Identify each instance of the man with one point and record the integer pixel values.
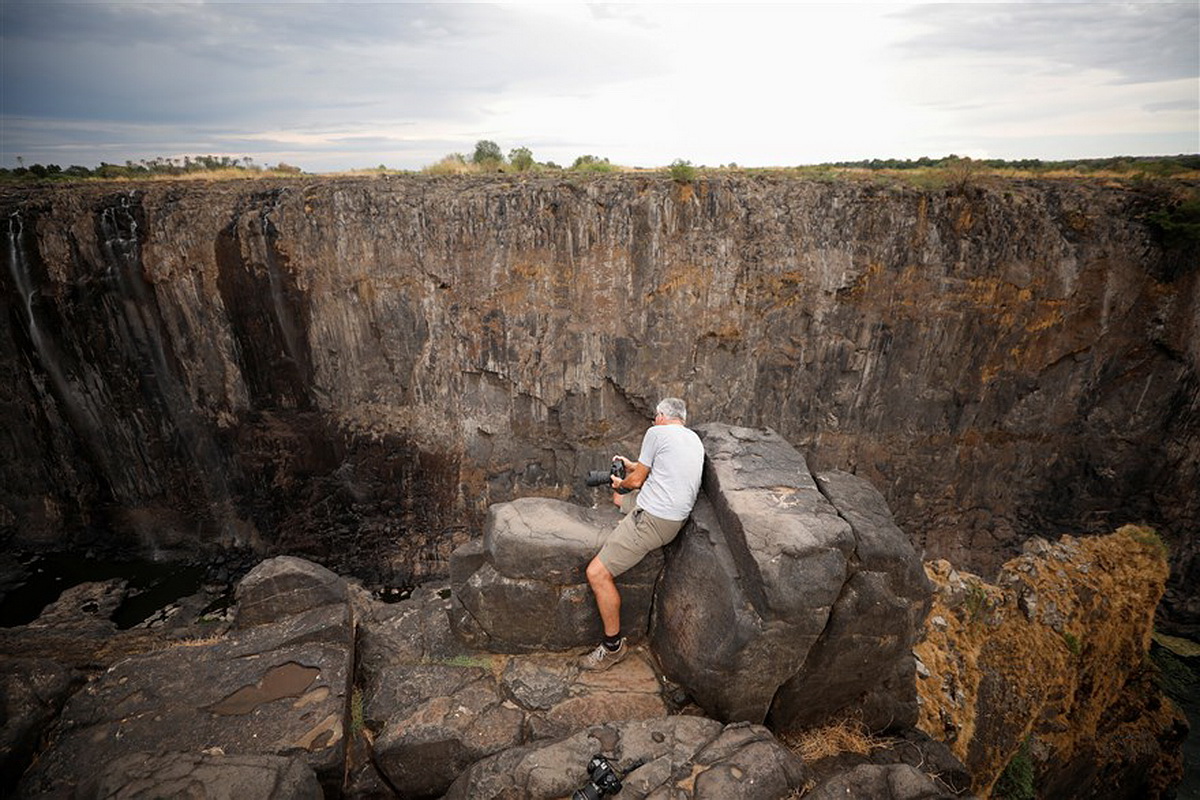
(666, 478)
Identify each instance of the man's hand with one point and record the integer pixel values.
(635, 475)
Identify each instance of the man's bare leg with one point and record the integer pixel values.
(608, 599)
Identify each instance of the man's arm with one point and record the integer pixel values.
(635, 475)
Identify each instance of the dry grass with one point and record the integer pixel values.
(451, 165)
(198, 642)
(841, 736)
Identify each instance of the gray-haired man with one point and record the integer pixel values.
(666, 476)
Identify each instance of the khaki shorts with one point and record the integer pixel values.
(634, 536)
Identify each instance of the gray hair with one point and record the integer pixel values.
(672, 408)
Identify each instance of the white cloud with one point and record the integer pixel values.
(332, 86)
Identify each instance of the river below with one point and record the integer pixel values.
(30, 582)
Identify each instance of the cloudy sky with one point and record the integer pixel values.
(330, 85)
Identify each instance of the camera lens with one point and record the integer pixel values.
(589, 791)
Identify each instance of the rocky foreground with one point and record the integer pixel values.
(790, 603)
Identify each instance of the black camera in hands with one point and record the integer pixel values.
(602, 780)
(599, 477)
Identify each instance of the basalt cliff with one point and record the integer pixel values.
(354, 369)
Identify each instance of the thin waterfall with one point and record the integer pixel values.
(139, 305)
(76, 402)
(282, 312)
(18, 267)
(82, 414)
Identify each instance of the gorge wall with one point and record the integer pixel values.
(353, 369)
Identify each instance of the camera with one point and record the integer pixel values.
(602, 780)
(599, 477)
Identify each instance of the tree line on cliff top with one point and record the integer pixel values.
(151, 168)
(488, 157)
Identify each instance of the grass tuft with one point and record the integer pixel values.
(1146, 536)
(841, 736)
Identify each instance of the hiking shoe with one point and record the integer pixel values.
(602, 658)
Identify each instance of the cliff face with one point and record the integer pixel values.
(1056, 656)
(362, 365)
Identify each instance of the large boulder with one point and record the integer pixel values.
(864, 656)
(277, 688)
(781, 602)
(522, 588)
(668, 757)
(286, 585)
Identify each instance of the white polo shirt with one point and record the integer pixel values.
(675, 456)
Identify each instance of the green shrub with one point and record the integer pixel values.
(1016, 782)
(960, 173)
(1072, 642)
(487, 152)
(976, 602)
(521, 159)
(589, 163)
(682, 170)
(1179, 224)
(1145, 535)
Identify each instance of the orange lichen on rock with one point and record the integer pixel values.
(1054, 652)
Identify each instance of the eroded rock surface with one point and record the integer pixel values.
(896, 781)
(933, 771)
(863, 658)
(274, 689)
(212, 775)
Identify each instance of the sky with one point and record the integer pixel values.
(331, 86)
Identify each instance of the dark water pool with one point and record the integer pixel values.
(35, 581)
